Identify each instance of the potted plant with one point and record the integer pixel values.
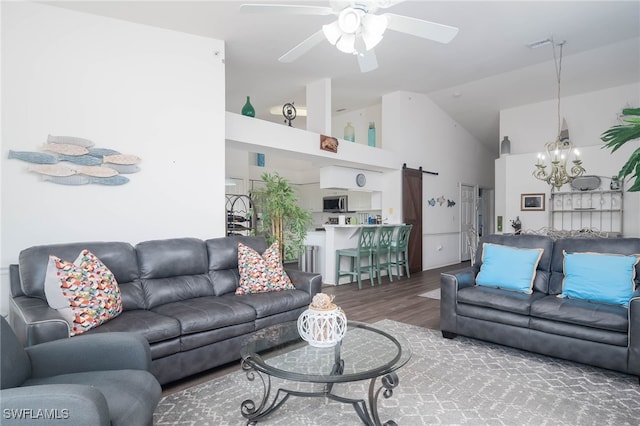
(620, 134)
(280, 216)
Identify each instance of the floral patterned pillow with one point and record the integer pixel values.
(85, 292)
(261, 273)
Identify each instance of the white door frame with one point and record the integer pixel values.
(474, 216)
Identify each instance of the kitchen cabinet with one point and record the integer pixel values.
(310, 197)
(332, 191)
(359, 201)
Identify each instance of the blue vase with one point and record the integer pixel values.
(248, 109)
(260, 160)
(372, 134)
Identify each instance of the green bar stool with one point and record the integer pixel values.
(400, 249)
(383, 251)
(365, 249)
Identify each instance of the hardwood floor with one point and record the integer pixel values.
(397, 300)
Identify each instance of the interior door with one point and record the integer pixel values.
(412, 214)
(467, 219)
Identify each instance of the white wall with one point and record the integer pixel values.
(360, 119)
(530, 126)
(588, 115)
(141, 90)
(422, 134)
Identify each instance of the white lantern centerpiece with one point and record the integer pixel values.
(324, 324)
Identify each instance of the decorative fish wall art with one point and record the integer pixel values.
(441, 201)
(69, 160)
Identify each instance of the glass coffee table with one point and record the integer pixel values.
(365, 353)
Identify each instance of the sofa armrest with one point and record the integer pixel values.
(465, 277)
(34, 321)
(450, 283)
(306, 281)
(126, 351)
(54, 404)
(634, 334)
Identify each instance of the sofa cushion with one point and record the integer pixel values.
(261, 273)
(207, 313)
(598, 335)
(528, 241)
(85, 292)
(172, 257)
(599, 277)
(223, 261)
(580, 312)
(132, 394)
(119, 257)
(624, 246)
(223, 252)
(227, 334)
(495, 298)
(161, 291)
(266, 304)
(153, 326)
(509, 268)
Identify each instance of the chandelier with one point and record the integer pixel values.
(560, 150)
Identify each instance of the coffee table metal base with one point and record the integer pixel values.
(369, 415)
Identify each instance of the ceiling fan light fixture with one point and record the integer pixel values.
(373, 30)
(350, 19)
(332, 32)
(347, 43)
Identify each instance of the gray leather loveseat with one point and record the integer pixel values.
(178, 293)
(599, 334)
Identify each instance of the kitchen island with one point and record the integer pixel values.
(333, 238)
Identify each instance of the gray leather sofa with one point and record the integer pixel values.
(178, 293)
(598, 334)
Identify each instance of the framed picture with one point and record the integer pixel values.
(532, 202)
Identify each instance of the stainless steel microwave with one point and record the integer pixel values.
(335, 204)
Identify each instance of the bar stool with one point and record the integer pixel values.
(383, 248)
(366, 246)
(400, 249)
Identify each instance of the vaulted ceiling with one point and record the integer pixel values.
(487, 67)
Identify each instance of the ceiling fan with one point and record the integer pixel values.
(358, 29)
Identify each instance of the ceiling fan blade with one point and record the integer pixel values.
(283, 9)
(367, 61)
(421, 28)
(302, 48)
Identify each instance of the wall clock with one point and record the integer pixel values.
(361, 180)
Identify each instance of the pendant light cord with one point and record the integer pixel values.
(558, 64)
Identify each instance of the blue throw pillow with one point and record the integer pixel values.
(599, 277)
(509, 268)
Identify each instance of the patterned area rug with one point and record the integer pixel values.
(446, 382)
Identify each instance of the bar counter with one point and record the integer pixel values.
(336, 237)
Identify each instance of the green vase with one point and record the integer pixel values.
(248, 109)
